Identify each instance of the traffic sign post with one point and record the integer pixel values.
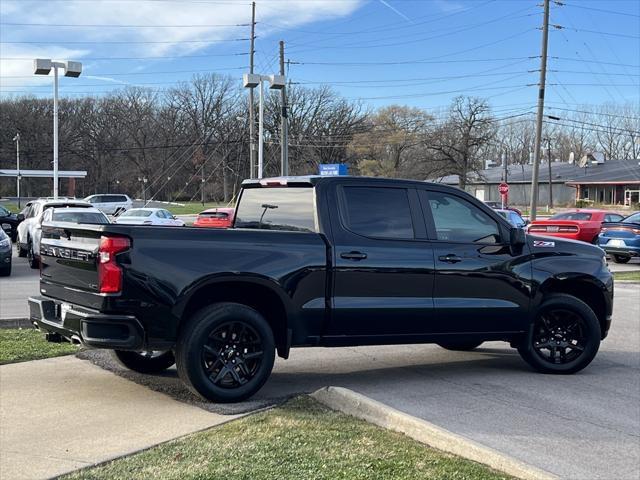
(503, 188)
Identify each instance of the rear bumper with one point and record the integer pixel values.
(91, 328)
(626, 251)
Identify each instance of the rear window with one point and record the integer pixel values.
(635, 218)
(79, 217)
(572, 216)
(277, 209)
(378, 212)
(220, 215)
(136, 213)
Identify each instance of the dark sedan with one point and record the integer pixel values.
(621, 239)
(5, 254)
(9, 222)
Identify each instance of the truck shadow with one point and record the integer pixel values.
(412, 371)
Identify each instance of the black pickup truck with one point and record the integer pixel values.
(321, 261)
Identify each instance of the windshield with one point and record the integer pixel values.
(635, 218)
(572, 216)
(79, 217)
(136, 213)
(277, 209)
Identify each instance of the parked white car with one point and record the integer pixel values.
(32, 213)
(149, 216)
(64, 214)
(110, 203)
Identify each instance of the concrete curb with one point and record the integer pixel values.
(357, 405)
(15, 323)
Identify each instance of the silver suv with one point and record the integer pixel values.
(32, 214)
(110, 203)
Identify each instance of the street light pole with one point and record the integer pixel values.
(251, 80)
(17, 140)
(55, 131)
(43, 66)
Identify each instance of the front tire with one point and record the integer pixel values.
(460, 346)
(621, 258)
(22, 252)
(5, 271)
(563, 338)
(225, 352)
(145, 362)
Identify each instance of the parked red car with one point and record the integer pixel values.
(215, 218)
(580, 224)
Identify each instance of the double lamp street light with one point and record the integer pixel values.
(43, 66)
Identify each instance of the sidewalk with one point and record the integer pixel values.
(61, 414)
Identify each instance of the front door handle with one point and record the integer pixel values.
(450, 258)
(353, 255)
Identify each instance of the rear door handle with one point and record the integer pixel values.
(450, 258)
(353, 255)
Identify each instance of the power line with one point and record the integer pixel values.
(409, 62)
(156, 57)
(112, 25)
(603, 10)
(115, 74)
(122, 42)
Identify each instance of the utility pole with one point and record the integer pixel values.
(541, 87)
(284, 125)
(550, 184)
(202, 183)
(17, 140)
(252, 136)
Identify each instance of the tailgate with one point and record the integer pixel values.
(68, 255)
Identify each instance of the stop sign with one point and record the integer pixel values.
(503, 188)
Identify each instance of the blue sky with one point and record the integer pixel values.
(415, 52)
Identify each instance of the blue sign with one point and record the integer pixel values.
(333, 169)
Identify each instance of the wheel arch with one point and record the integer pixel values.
(257, 293)
(588, 289)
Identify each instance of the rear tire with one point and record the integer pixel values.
(145, 362)
(5, 271)
(564, 336)
(621, 258)
(225, 352)
(22, 252)
(31, 256)
(460, 346)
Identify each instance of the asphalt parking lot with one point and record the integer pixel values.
(584, 426)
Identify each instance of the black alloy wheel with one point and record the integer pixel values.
(225, 352)
(559, 336)
(460, 346)
(564, 337)
(147, 361)
(232, 354)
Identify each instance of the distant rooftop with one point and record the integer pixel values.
(614, 171)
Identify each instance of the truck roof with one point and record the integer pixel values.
(316, 179)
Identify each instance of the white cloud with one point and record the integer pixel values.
(196, 20)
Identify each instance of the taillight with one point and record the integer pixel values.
(537, 228)
(109, 272)
(568, 229)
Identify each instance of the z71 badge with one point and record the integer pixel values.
(542, 243)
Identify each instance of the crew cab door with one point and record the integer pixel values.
(383, 262)
(480, 284)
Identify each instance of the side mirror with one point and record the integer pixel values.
(20, 217)
(517, 237)
(174, 217)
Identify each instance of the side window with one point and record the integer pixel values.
(457, 220)
(377, 212)
(612, 217)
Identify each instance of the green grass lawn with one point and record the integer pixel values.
(627, 276)
(21, 345)
(299, 440)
